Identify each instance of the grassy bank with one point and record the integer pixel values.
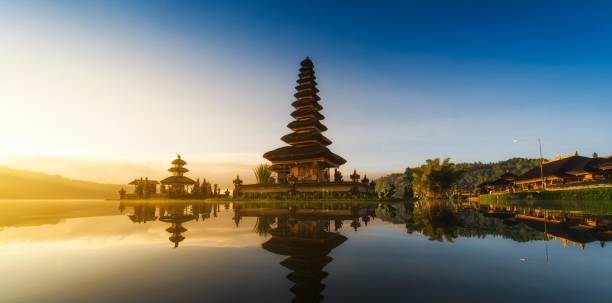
(587, 194)
(595, 200)
(501, 198)
(590, 194)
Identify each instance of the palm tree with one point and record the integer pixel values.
(262, 173)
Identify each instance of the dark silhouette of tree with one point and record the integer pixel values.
(196, 190)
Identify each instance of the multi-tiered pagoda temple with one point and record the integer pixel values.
(307, 157)
(303, 167)
(177, 183)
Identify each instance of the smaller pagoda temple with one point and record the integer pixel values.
(177, 186)
(177, 183)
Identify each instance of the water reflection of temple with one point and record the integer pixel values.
(306, 234)
(175, 213)
(306, 237)
(143, 213)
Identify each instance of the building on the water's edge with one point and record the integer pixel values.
(571, 171)
(566, 171)
(175, 186)
(304, 166)
(503, 183)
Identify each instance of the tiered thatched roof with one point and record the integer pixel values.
(177, 171)
(306, 142)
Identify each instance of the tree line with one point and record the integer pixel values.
(438, 177)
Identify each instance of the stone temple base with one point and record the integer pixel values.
(315, 190)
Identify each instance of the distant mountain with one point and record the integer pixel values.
(19, 184)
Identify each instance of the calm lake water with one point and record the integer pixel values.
(106, 251)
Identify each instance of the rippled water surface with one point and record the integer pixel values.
(103, 251)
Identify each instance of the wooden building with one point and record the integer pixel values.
(600, 168)
(177, 184)
(505, 183)
(303, 166)
(144, 188)
(572, 169)
(307, 157)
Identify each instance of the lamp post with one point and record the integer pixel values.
(541, 158)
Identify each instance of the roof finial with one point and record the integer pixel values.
(307, 61)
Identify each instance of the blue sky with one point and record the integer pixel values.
(400, 82)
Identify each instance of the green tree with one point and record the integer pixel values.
(478, 172)
(262, 172)
(385, 189)
(407, 176)
(435, 178)
(204, 188)
(196, 188)
(474, 174)
(209, 188)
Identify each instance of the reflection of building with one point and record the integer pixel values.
(143, 213)
(569, 227)
(176, 217)
(305, 237)
(304, 165)
(307, 245)
(175, 213)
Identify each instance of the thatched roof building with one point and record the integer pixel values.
(307, 156)
(178, 182)
(572, 168)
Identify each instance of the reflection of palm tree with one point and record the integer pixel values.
(263, 225)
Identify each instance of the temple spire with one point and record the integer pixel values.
(306, 126)
(307, 156)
